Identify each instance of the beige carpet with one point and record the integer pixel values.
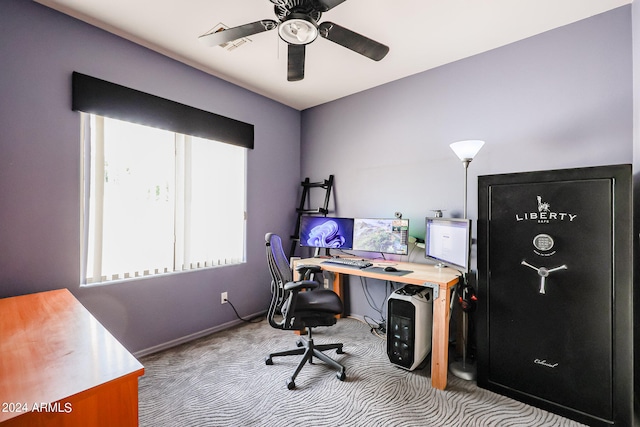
(222, 380)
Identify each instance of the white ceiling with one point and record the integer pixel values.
(421, 34)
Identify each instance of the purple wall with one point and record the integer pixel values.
(635, 13)
(40, 175)
(561, 99)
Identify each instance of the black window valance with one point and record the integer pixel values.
(92, 95)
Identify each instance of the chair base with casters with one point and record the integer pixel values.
(309, 350)
(300, 305)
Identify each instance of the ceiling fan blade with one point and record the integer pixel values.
(354, 41)
(324, 5)
(295, 62)
(235, 33)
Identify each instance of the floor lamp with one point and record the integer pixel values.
(466, 151)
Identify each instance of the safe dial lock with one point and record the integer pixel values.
(543, 272)
(543, 242)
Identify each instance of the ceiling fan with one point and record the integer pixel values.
(298, 26)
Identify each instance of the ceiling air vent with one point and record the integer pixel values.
(232, 44)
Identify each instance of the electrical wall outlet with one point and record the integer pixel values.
(223, 298)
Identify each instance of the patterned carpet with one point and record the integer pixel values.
(222, 380)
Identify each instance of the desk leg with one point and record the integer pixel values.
(296, 277)
(440, 339)
(337, 288)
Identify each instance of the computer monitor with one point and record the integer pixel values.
(387, 236)
(448, 241)
(326, 232)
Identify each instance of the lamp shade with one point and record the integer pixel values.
(467, 150)
(298, 29)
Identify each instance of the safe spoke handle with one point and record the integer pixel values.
(543, 272)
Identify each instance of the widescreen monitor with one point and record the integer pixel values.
(448, 242)
(326, 232)
(387, 236)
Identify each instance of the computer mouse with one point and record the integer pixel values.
(390, 268)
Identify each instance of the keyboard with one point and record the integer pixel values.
(349, 262)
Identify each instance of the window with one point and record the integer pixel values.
(156, 201)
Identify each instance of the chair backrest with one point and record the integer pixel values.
(280, 275)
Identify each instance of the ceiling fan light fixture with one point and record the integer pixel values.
(298, 29)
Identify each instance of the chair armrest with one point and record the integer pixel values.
(303, 284)
(307, 270)
(311, 267)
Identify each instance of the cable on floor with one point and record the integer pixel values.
(255, 319)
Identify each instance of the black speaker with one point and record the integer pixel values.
(409, 325)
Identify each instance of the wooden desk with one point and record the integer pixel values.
(60, 367)
(444, 278)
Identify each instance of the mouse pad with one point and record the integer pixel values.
(391, 273)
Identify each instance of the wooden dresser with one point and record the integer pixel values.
(60, 367)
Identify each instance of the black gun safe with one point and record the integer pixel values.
(555, 312)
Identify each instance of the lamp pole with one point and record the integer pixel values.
(465, 163)
(466, 151)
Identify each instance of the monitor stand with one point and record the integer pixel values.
(327, 253)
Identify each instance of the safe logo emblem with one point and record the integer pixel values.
(545, 215)
(543, 206)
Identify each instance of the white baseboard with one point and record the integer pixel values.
(191, 337)
(357, 317)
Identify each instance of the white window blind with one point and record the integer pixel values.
(158, 201)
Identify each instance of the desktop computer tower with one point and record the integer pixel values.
(409, 324)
